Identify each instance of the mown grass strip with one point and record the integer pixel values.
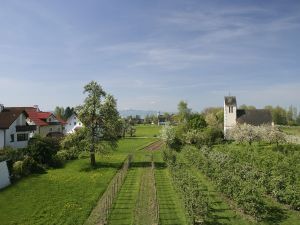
(171, 210)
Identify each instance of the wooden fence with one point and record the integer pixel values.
(101, 212)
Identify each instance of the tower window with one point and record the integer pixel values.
(230, 109)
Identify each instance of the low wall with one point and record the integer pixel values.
(4, 175)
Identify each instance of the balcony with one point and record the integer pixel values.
(25, 128)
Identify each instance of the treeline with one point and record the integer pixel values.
(64, 113)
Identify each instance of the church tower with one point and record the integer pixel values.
(230, 110)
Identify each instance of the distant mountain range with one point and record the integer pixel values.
(134, 112)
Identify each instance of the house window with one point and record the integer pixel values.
(74, 123)
(49, 119)
(22, 137)
(50, 129)
(12, 138)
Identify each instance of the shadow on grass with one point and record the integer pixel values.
(160, 165)
(101, 165)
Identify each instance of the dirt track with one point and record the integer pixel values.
(154, 146)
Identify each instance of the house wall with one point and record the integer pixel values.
(20, 121)
(229, 117)
(4, 175)
(72, 123)
(44, 130)
(2, 137)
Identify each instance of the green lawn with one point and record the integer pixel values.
(147, 130)
(292, 130)
(66, 195)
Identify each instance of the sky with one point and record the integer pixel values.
(150, 54)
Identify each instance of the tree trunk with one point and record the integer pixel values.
(93, 160)
(92, 152)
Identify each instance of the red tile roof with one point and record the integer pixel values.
(39, 118)
(61, 120)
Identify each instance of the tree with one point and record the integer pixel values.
(68, 112)
(100, 116)
(183, 111)
(196, 121)
(59, 111)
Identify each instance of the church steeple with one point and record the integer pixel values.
(230, 109)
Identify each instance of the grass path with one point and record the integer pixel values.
(145, 212)
(171, 211)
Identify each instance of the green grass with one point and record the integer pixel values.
(66, 195)
(171, 211)
(147, 130)
(292, 130)
(124, 207)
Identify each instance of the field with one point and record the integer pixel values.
(68, 195)
(292, 130)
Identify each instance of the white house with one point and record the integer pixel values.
(234, 116)
(72, 124)
(14, 130)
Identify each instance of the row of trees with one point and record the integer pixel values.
(249, 133)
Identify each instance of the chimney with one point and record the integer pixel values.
(1, 107)
(36, 108)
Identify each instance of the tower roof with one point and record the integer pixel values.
(230, 100)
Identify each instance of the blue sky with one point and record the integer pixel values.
(150, 54)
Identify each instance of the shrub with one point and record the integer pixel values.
(26, 167)
(9, 153)
(57, 161)
(42, 149)
(62, 154)
(75, 143)
(17, 169)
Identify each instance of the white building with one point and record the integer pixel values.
(234, 116)
(14, 131)
(72, 124)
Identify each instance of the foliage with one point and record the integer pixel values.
(25, 167)
(63, 113)
(214, 116)
(233, 179)
(276, 168)
(168, 135)
(100, 116)
(75, 143)
(196, 121)
(183, 112)
(248, 133)
(195, 199)
(42, 149)
(9, 153)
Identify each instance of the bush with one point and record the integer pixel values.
(42, 149)
(57, 161)
(17, 169)
(26, 167)
(62, 154)
(75, 143)
(8, 153)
